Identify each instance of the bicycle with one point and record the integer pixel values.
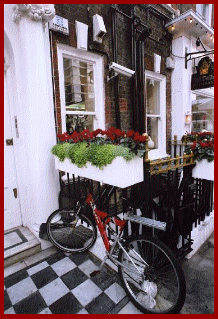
(150, 273)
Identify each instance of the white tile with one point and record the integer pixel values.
(37, 268)
(46, 311)
(115, 292)
(86, 292)
(129, 309)
(82, 312)
(21, 290)
(88, 267)
(63, 266)
(53, 291)
(10, 311)
(14, 268)
(41, 255)
(11, 239)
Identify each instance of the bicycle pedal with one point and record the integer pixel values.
(95, 273)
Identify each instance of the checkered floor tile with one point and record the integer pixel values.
(61, 284)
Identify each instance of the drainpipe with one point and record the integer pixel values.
(134, 83)
(141, 126)
(116, 80)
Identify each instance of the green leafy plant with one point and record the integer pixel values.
(78, 153)
(99, 147)
(61, 151)
(101, 155)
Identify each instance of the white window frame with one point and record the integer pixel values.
(98, 75)
(160, 152)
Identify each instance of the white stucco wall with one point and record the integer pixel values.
(181, 86)
(181, 83)
(27, 45)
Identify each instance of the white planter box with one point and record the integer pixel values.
(120, 173)
(204, 170)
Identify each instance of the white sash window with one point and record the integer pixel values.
(81, 88)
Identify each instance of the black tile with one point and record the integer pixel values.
(100, 305)
(67, 304)
(43, 277)
(7, 301)
(15, 278)
(56, 257)
(33, 304)
(74, 278)
(105, 279)
(79, 258)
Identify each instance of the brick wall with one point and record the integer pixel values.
(84, 13)
(184, 7)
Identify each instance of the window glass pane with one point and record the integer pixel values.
(79, 123)
(152, 129)
(153, 97)
(203, 114)
(79, 85)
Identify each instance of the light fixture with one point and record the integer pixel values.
(173, 27)
(188, 118)
(191, 20)
(211, 36)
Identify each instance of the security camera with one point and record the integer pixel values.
(119, 69)
(99, 29)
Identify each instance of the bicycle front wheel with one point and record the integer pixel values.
(152, 276)
(71, 233)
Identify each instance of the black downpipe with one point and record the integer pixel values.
(116, 80)
(135, 114)
(142, 87)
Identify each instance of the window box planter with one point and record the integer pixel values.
(120, 173)
(204, 170)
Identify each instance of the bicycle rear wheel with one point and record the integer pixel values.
(158, 286)
(71, 233)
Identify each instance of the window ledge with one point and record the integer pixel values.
(157, 154)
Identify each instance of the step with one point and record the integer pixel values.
(19, 243)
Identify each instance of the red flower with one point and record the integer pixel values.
(96, 132)
(204, 145)
(136, 136)
(130, 133)
(193, 146)
(112, 129)
(74, 134)
(142, 138)
(64, 137)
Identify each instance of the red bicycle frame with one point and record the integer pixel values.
(102, 219)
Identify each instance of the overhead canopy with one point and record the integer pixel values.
(191, 24)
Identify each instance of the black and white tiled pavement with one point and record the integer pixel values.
(61, 284)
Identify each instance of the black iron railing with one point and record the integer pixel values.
(169, 193)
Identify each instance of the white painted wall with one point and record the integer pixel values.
(181, 86)
(181, 83)
(27, 44)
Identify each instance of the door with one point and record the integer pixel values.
(12, 212)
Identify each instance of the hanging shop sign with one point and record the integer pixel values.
(204, 78)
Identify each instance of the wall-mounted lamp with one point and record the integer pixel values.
(211, 36)
(188, 118)
(173, 27)
(190, 20)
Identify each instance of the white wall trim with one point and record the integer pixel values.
(161, 151)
